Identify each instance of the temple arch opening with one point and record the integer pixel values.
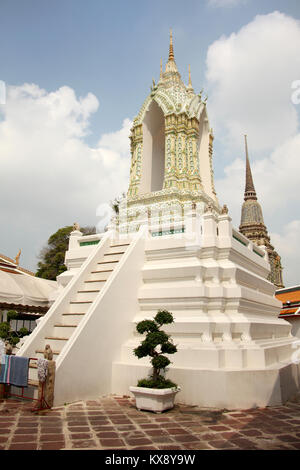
(153, 167)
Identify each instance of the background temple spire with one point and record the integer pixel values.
(250, 192)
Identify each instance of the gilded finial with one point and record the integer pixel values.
(17, 259)
(171, 51)
(161, 70)
(190, 86)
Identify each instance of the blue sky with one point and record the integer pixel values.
(113, 49)
(77, 72)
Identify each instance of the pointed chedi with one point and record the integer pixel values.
(253, 227)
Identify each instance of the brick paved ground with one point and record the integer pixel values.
(114, 423)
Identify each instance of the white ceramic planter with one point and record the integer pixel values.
(154, 399)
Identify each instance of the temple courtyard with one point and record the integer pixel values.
(113, 422)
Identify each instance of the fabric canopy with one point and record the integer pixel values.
(24, 290)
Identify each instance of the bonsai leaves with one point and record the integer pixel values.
(156, 344)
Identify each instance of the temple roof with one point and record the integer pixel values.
(290, 298)
(7, 263)
(19, 286)
(171, 94)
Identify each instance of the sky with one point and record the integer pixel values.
(77, 72)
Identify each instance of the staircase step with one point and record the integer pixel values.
(75, 313)
(93, 286)
(87, 295)
(56, 338)
(102, 271)
(41, 351)
(85, 291)
(80, 306)
(99, 274)
(64, 329)
(74, 318)
(114, 253)
(121, 244)
(56, 341)
(108, 262)
(110, 258)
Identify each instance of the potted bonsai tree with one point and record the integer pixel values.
(155, 393)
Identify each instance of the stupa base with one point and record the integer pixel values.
(229, 389)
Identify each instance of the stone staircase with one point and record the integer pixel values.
(66, 323)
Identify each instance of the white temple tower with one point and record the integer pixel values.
(171, 247)
(171, 154)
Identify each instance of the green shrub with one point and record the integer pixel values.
(155, 345)
(23, 332)
(11, 315)
(160, 382)
(4, 330)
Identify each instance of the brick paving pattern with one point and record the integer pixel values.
(114, 423)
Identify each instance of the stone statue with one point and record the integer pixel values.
(208, 207)
(224, 209)
(76, 226)
(48, 354)
(8, 348)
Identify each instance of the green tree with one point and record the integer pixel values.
(155, 345)
(52, 256)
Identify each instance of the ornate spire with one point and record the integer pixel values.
(190, 86)
(250, 192)
(161, 71)
(171, 64)
(171, 52)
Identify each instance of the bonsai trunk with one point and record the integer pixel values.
(155, 374)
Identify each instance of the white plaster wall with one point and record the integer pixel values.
(239, 389)
(204, 161)
(61, 304)
(295, 322)
(153, 150)
(84, 368)
(233, 351)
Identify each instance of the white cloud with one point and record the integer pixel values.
(250, 76)
(50, 175)
(276, 180)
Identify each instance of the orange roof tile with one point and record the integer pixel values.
(291, 296)
(286, 311)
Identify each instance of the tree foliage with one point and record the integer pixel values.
(52, 256)
(155, 345)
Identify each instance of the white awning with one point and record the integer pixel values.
(22, 289)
